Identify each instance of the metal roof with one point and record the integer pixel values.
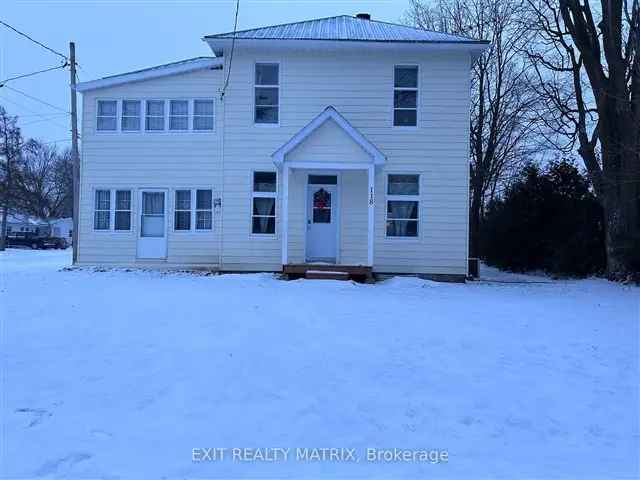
(345, 28)
(173, 68)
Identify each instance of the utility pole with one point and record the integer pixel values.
(75, 156)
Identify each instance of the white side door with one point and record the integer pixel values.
(152, 233)
(322, 223)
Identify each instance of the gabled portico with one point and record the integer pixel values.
(326, 147)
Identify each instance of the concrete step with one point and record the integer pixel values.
(326, 275)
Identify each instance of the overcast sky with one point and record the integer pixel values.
(115, 36)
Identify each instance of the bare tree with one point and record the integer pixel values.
(45, 188)
(587, 68)
(10, 153)
(502, 127)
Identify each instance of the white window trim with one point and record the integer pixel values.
(253, 93)
(112, 211)
(164, 115)
(406, 198)
(117, 129)
(143, 117)
(193, 198)
(192, 115)
(188, 116)
(393, 94)
(253, 195)
(115, 208)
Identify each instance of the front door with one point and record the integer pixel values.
(322, 223)
(152, 235)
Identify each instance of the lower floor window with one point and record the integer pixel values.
(402, 218)
(403, 205)
(186, 216)
(112, 207)
(263, 203)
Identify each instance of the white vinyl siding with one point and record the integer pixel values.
(436, 149)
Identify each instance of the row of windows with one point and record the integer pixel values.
(198, 115)
(193, 208)
(155, 115)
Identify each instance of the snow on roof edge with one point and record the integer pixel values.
(173, 68)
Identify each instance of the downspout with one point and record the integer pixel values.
(222, 171)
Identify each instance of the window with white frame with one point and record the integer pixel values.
(130, 120)
(263, 203)
(102, 210)
(107, 115)
(182, 209)
(403, 202)
(186, 217)
(405, 96)
(179, 115)
(122, 216)
(267, 93)
(154, 120)
(203, 115)
(204, 209)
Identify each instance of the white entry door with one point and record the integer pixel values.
(322, 223)
(152, 235)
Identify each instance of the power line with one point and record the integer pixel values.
(3, 82)
(36, 113)
(233, 44)
(37, 99)
(66, 59)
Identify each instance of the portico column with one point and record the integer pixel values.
(371, 175)
(285, 214)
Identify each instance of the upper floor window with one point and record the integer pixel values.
(107, 115)
(405, 96)
(203, 114)
(155, 115)
(130, 115)
(403, 200)
(267, 93)
(179, 115)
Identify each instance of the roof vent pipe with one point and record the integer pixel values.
(364, 16)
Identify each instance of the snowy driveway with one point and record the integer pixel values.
(123, 374)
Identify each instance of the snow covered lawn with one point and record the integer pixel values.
(122, 374)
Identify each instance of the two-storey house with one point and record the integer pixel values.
(340, 141)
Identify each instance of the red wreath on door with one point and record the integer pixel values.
(322, 199)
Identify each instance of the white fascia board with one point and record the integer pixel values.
(151, 73)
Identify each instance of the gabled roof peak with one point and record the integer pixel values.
(329, 113)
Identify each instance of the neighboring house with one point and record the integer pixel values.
(340, 140)
(19, 223)
(62, 228)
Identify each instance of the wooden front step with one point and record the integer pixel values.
(358, 273)
(325, 275)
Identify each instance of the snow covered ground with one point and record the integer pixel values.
(122, 374)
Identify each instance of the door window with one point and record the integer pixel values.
(322, 206)
(152, 214)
